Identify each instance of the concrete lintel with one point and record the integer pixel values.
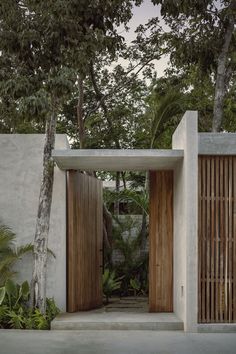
(117, 160)
(217, 143)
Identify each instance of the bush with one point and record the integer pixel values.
(15, 311)
(110, 283)
(9, 253)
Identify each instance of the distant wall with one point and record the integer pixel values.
(20, 177)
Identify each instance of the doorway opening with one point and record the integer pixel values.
(126, 241)
(123, 263)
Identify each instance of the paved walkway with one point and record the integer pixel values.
(114, 342)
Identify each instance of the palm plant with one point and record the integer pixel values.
(9, 253)
(163, 111)
(139, 198)
(110, 283)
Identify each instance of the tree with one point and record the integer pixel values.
(202, 33)
(44, 50)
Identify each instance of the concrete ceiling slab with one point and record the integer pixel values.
(117, 160)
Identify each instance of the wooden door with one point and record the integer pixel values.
(217, 239)
(84, 242)
(161, 242)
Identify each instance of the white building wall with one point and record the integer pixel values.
(185, 221)
(20, 178)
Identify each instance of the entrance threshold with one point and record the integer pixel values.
(101, 320)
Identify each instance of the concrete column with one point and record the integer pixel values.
(185, 222)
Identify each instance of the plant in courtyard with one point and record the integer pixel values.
(110, 283)
(135, 285)
(15, 311)
(134, 264)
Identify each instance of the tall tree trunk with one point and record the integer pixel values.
(80, 119)
(117, 203)
(220, 88)
(143, 232)
(107, 219)
(38, 283)
(143, 235)
(123, 179)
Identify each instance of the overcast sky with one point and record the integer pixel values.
(141, 15)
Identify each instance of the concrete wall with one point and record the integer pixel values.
(185, 222)
(20, 178)
(217, 143)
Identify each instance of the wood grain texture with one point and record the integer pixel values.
(216, 239)
(161, 242)
(84, 242)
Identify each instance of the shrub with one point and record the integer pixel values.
(9, 253)
(110, 283)
(15, 311)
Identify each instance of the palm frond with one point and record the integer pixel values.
(139, 198)
(5, 274)
(7, 237)
(164, 110)
(21, 250)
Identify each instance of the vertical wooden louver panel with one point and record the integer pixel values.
(217, 239)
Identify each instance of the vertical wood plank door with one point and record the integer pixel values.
(161, 242)
(84, 242)
(217, 239)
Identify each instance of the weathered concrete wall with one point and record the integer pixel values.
(20, 178)
(185, 222)
(217, 143)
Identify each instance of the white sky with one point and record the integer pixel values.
(141, 15)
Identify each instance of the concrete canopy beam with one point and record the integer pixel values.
(117, 160)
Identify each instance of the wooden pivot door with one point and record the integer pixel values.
(84, 242)
(161, 242)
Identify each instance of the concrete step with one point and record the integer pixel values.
(95, 320)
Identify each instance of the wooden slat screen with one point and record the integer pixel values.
(84, 242)
(217, 239)
(161, 242)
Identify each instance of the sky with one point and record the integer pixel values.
(141, 15)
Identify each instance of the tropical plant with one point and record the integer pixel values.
(135, 285)
(15, 311)
(110, 283)
(134, 264)
(9, 253)
(139, 198)
(163, 110)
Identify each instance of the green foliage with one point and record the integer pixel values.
(15, 311)
(45, 49)
(163, 110)
(2, 294)
(134, 264)
(14, 293)
(135, 285)
(110, 283)
(10, 254)
(139, 198)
